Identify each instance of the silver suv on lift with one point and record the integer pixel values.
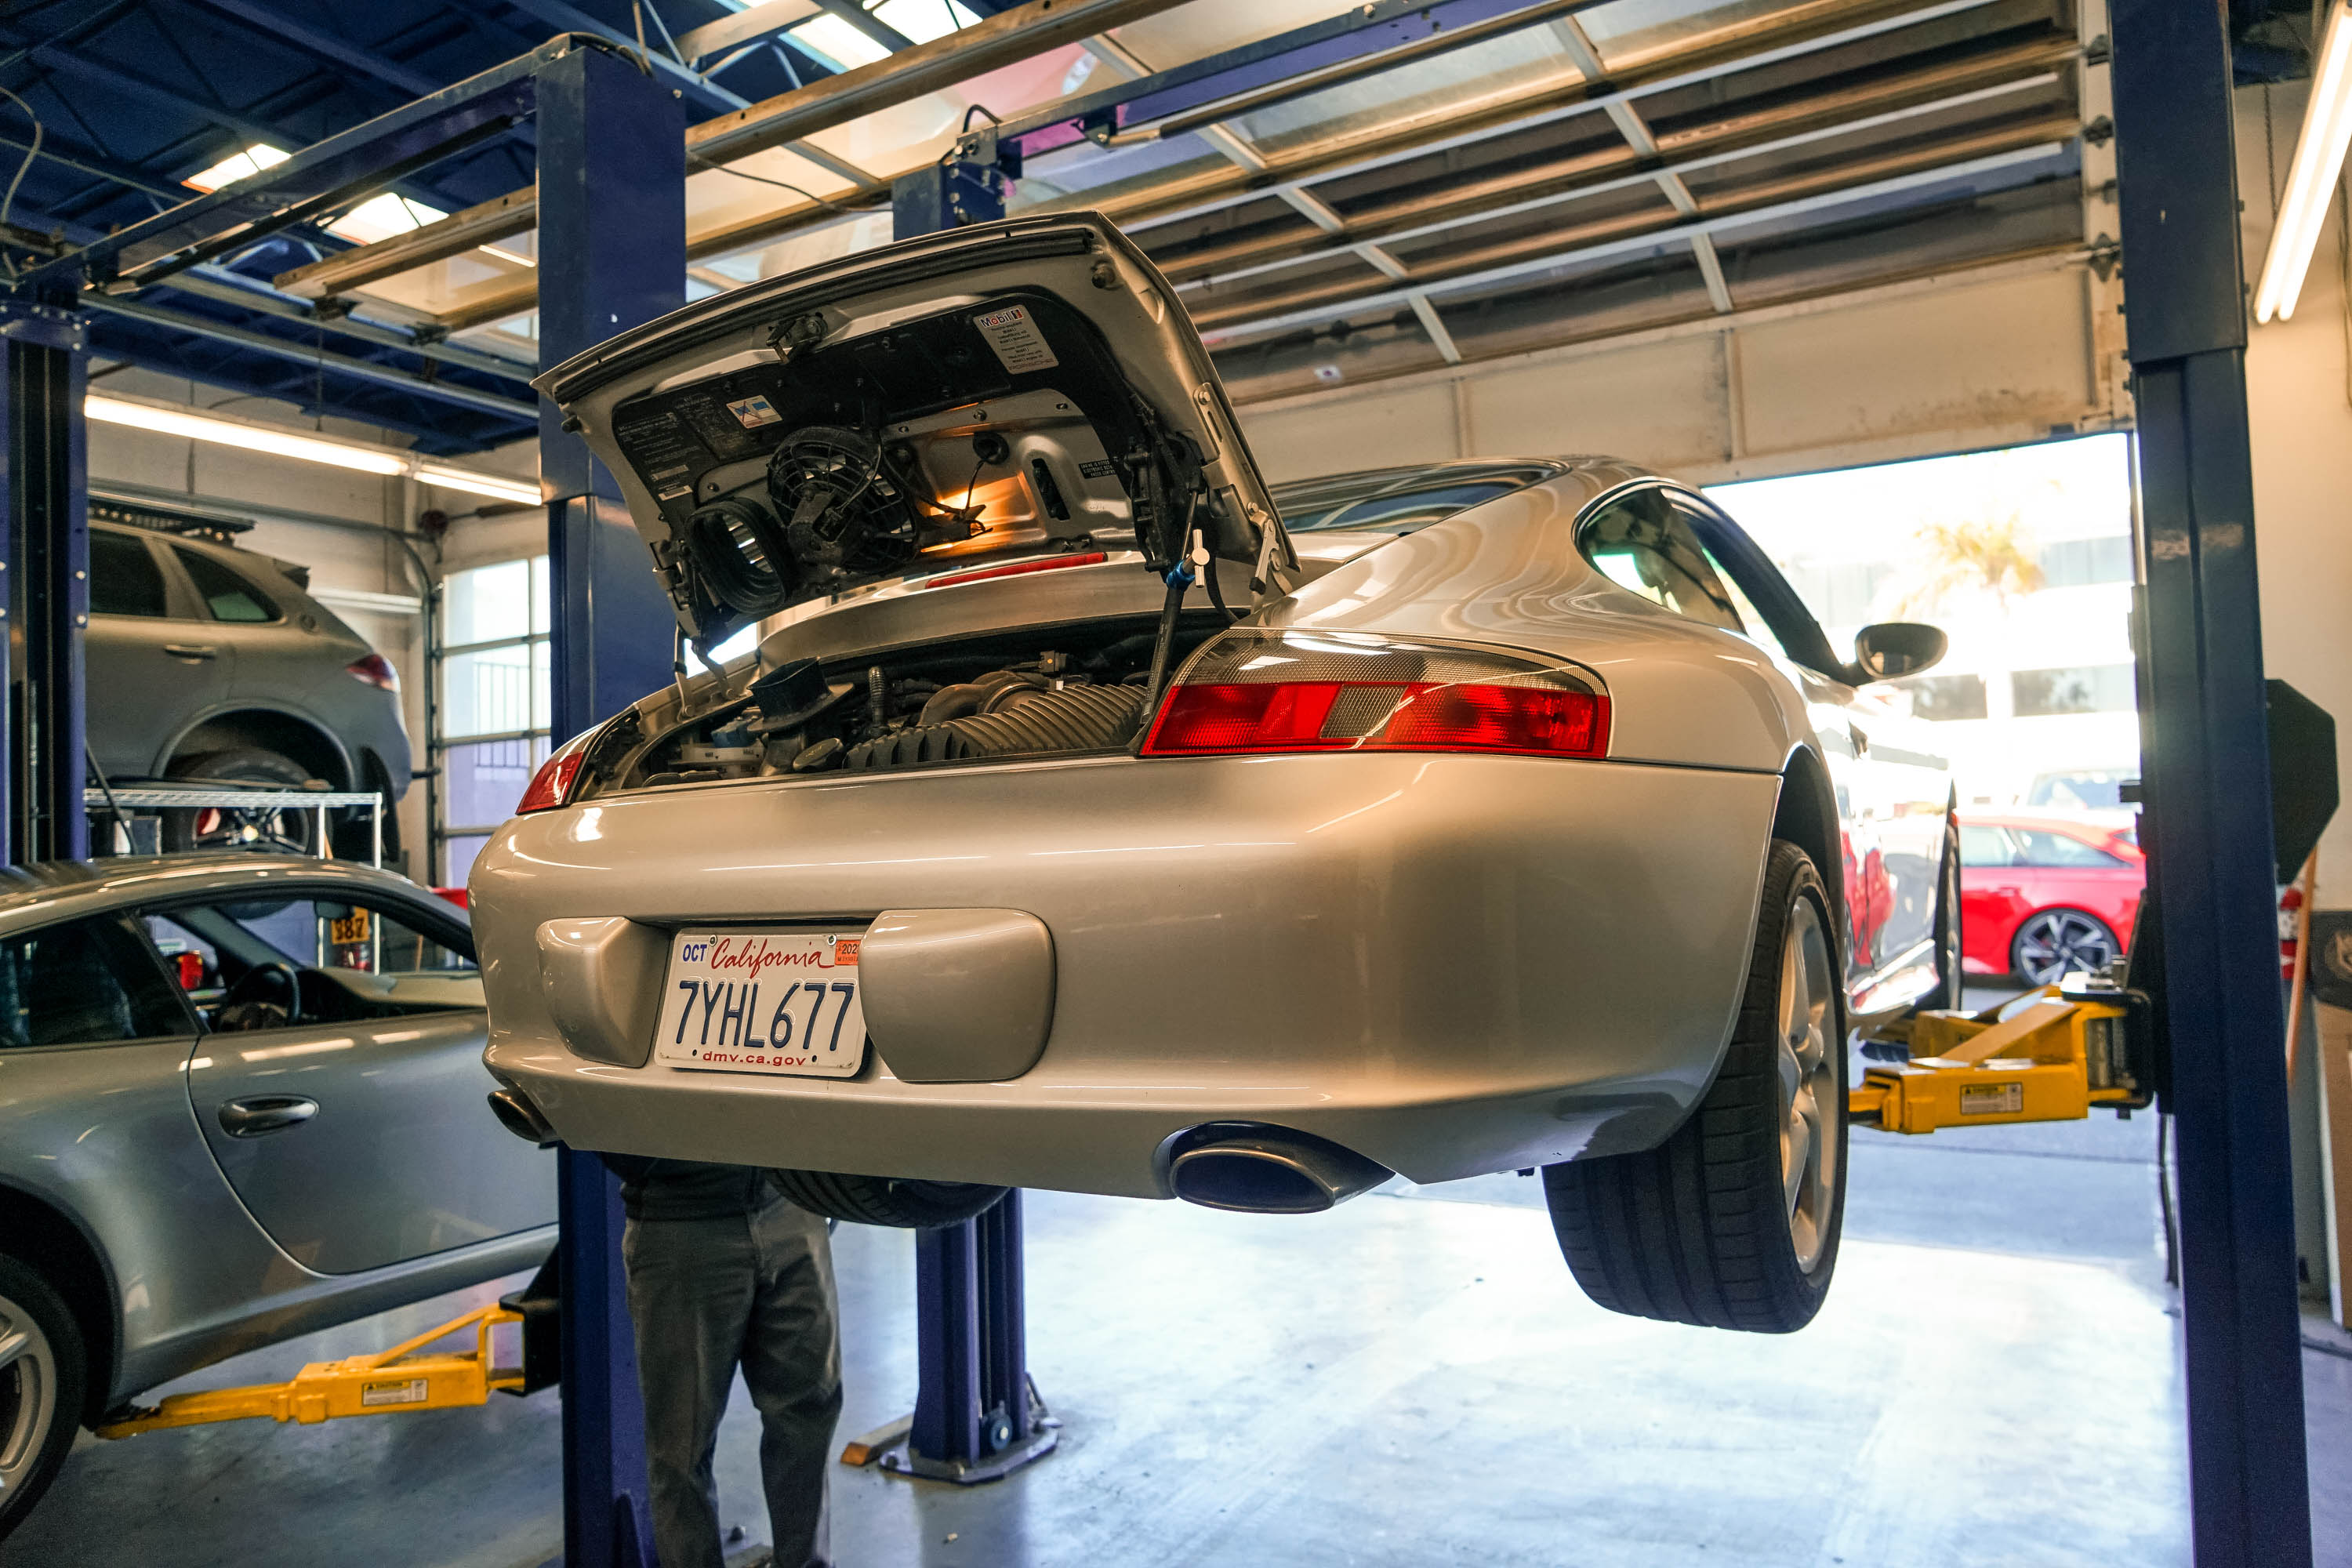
(208, 662)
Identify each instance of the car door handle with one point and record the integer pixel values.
(265, 1113)
(190, 649)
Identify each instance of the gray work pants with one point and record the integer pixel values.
(707, 1295)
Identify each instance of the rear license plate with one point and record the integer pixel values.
(763, 1001)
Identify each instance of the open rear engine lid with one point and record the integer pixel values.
(1004, 390)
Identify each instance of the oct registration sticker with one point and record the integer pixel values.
(762, 1001)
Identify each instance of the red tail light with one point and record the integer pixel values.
(552, 785)
(1250, 693)
(374, 670)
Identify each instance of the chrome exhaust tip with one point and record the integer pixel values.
(1246, 1169)
(519, 1116)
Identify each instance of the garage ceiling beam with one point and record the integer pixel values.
(1787, 35)
(779, 121)
(1870, 180)
(1869, 107)
(273, 23)
(304, 354)
(251, 294)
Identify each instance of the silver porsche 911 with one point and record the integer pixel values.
(1095, 817)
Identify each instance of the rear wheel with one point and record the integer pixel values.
(885, 1200)
(2053, 943)
(41, 1388)
(1733, 1222)
(275, 830)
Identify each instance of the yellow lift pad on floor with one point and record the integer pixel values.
(2050, 1060)
(385, 1383)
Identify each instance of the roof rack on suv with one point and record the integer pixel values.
(196, 522)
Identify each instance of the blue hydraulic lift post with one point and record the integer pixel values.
(45, 561)
(974, 1416)
(612, 256)
(2206, 770)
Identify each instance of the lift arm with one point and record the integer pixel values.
(385, 1383)
(2049, 1060)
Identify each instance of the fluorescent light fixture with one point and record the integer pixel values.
(836, 42)
(253, 435)
(237, 166)
(250, 435)
(919, 21)
(498, 486)
(2310, 180)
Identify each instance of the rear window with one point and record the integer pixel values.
(1397, 500)
(228, 596)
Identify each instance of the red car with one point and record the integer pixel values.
(2043, 895)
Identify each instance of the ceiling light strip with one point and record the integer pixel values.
(252, 435)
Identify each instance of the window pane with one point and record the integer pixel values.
(228, 596)
(123, 577)
(489, 602)
(1642, 544)
(82, 982)
(2077, 563)
(542, 620)
(482, 783)
(491, 692)
(1984, 846)
(458, 858)
(270, 963)
(2058, 849)
(2095, 688)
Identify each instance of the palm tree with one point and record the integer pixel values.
(1984, 555)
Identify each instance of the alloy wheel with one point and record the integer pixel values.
(29, 1397)
(1809, 1084)
(2056, 943)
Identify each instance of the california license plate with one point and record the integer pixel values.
(762, 1001)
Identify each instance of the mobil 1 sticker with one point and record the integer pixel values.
(1012, 332)
(768, 1002)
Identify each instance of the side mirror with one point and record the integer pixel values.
(1891, 649)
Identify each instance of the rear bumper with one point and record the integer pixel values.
(1450, 964)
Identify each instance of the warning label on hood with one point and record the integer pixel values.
(1013, 333)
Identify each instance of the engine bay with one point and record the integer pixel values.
(836, 458)
(1068, 689)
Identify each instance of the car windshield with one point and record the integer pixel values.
(2099, 791)
(1398, 500)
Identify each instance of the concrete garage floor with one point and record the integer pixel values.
(1413, 1379)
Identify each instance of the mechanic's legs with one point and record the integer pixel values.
(691, 1288)
(792, 1363)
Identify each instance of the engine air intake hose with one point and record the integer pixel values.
(1075, 719)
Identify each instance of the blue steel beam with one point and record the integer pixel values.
(45, 546)
(272, 22)
(445, 116)
(2206, 770)
(612, 226)
(1353, 34)
(404, 381)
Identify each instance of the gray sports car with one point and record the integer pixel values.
(240, 1100)
(1484, 816)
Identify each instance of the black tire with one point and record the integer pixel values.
(269, 831)
(1702, 1229)
(1951, 974)
(2050, 943)
(42, 1389)
(885, 1199)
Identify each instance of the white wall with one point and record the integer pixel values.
(2300, 402)
(1991, 357)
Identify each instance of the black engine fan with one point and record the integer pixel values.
(842, 514)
